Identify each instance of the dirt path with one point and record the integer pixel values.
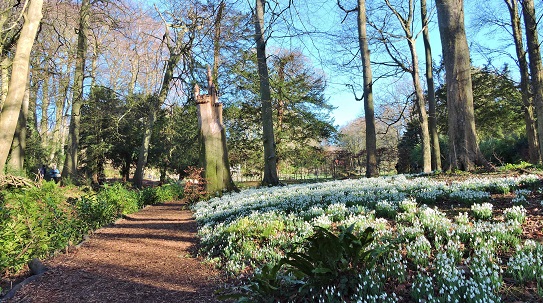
(143, 258)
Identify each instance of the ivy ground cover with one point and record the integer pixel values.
(447, 241)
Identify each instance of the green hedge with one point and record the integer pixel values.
(35, 222)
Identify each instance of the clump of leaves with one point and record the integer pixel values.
(333, 260)
(327, 260)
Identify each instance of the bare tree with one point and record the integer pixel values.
(406, 23)
(464, 153)
(529, 114)
(432, 118)
(536, 67)
(369, 112)
(270, 158)
(18, 79)
(69, 169)
(179, 44)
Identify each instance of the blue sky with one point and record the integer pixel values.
(342, 97)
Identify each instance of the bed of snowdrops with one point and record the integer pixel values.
(437, 257)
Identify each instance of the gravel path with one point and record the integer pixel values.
(146, 257)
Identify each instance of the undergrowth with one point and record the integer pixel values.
(36, 222)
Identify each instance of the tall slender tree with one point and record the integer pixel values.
(529, 114)
(369, 112)
(406, 23)
(536, 67)
(464, 153)
(69, 169)
(179, 44)
(19, 78)
(432, 118)
(270, 158)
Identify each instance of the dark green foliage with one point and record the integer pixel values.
(35, 222)
(301, 114)
(497, 104)
(333, 260)
(326, 260)
(408, 160)
(126, 139)
(174, 145)
(161, 194)
(99, 122)
(508, 149)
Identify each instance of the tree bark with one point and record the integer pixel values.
(464, 153)
(536, 69)
(421, 108)
(529, 114)
(270, 158)
(4, 66)
(217, 44)
(432, 117)
(44, 120)
(420, 105)
(19, 78)
(18, 146)
(369, 112)
(71, 162)
(213, 148)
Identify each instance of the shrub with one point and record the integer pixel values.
(34, 222)
(99, 209)
(169, 192)
(160, 194)
(327, 262)
(333, 260)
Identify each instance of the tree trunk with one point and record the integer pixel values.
(270, 157)
(44, 120)
(217, 44)
(421, 108)
(4, 66)
(464, 153)
(369, 113)
(19, 78)
(58, 130)
(70, 163)
(534, 53)
(420, 105)
(213, 148)
(18, 145)
(529, 115)
(432, 117)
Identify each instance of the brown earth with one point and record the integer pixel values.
(145, 257)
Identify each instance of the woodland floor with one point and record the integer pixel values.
(148, 257)
(145, 257)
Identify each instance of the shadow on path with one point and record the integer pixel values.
(145, 257)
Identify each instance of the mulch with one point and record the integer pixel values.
(145, 257)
